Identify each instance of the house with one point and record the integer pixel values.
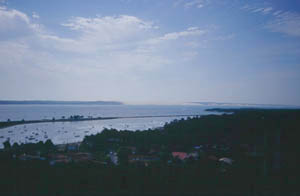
(198, 147)
(155, 149)
(132, 148)
(225, 164)
(58, 159)
(68, 147)
(142, 158)
(73, 146)
(113, 157)
(193, 155)
(57, 156)
(60, 147)
(81, 157)
(226, 160)
(213, 158)
(180, 155)
(25, 157)
(113, 140)
(66, 158)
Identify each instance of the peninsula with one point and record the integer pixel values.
(10, 123)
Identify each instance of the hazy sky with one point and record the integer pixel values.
(151, 51)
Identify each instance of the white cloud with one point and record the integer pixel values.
(194, 3)
(107, 22)
(101, 43)
(110, 31)
(190, 32)
(35, 15)
(15, 24)
(191, 3)
(193, 31)
(7, 15)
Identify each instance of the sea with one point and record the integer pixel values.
(70, 132)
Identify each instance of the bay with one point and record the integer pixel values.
(68, 132)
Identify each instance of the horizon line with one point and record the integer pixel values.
(205, 103)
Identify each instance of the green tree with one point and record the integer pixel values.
(15, 146)
(49, 146)
(123, 154)
(6, 145)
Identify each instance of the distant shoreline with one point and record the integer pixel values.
(40, 102)
(230, 110)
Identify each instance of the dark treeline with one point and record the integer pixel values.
(44, 148)
(196, 177)
(180, 135)
(244, 126)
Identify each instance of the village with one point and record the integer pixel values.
(174, 144)
(72, 153)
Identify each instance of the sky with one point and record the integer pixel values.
(151, 51)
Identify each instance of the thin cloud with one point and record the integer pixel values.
(267, 10)
(195, 3)
(191, 3)
(192, 31)
(109, 28)
(277, 13)
(262, 10)
(285, 22)
(281, 21)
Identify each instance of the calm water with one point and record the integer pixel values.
(66, 132)
(35, 112)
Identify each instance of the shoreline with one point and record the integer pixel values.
(5, 124)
